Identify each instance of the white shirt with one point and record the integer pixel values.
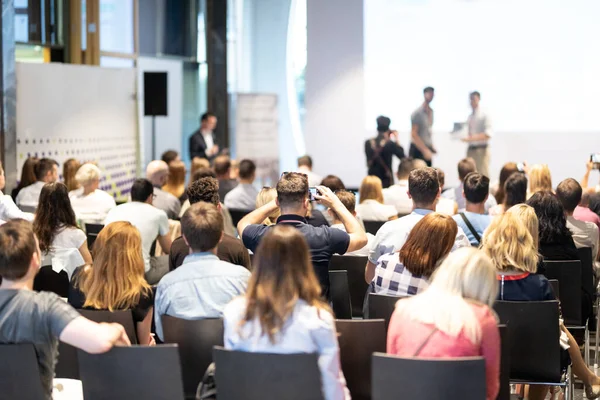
(150, 221)
(9, 210)
(29, 196)
(372, 210)
(364, 252)
(397, 195)
(64, 252)
(585, 234)
(208, 139)
(313, 179)
(479, 122)
(93, 207)
(241, 197)
(445, 206)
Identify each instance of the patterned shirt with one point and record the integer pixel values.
(392, 278)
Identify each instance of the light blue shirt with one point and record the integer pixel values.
(456, 194)
(307, 330)
(479, 221)
(199, 288)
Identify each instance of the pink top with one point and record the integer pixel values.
(405, 337)
(585, 214)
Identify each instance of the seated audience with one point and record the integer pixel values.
(526, 214)
(229, 249)
(235, 170)
(157, 173)
(371, 207)
(349, 201)
(515, 192)
(511, 247)
(424, 190)
(265, 196)
(583, 211)
(397, 194)
(497, 189)
(465, 167)
(305, 166)
(197, 164)
(91, 204)
(46, 171)
(27, 176)
(70, 168)
(283, 312)
(8, 208)
(444, 205)
(539, 179)
(324, 241)
(474, 220)
(222, 167)
(243, 196)
(175, 179)
(595, 203)
(407, 272)
(42, 318)
(169, 156)
(152, 223)
(116, 280)
(333, 182)
(203, 284)
(62, 243)
(453, 317)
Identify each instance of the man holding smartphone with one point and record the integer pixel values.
(380, 151)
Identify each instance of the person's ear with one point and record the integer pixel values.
(409, 196)
(463, 194)
(219, 207)
(330, 212)
(222, 236)
(439, 193)
(277, 201)
(34, 264)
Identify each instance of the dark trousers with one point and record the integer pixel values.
(414, 152)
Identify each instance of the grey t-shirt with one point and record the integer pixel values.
(167, 202)
(37, 318)
(421, 119)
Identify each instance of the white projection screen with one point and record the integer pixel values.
(535, 62)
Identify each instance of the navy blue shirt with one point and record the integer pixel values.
(524, 287)
(323, 242)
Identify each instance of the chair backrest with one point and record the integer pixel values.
(92, 231)
(358, 340)
(136, 372)
(340, 294)
(124, 318)
(555, 285)
(533, 332)
(421, 378)
(19, 373)
(373, 226)
(356, 279)
(259, 376)
(587, 269)
(196, 339)
(504, 392)
(237, 215)
(48, 280)
(568, 274)
(382, 306)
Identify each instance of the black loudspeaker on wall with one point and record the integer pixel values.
(155, 100)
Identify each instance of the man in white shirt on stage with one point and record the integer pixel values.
(480, 132)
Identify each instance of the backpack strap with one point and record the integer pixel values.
(471, 228)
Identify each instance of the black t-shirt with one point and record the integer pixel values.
(230, 249)
(139, 312)
(565, 250)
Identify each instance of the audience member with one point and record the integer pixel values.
(595, 203)
(305, 166)
(349, 201)
(324, 241)
(116, 280)
(333, 182)
(27, 176)
(46, 171)
(157, 173)
(465, 167)
(42, 318)
(474, 221)
(229, 249)
(453, 318)
(424, 190)
(70, 168)
(243, 196)
(539, 179)
(62, 243)
(407, 272)
(586, 177)
(234, 173)
(282, 311)
(371, 207)
(397, 195)
(198, 163)
(203, 284)
(8, 208)
(444, 205)
(315, 217)
(526, 214)
(169, 156)
(175, 179)
(497, 190)
(583, 212)
(265, 196)
(515, 192)
(152, 223)
(91, 205)
(222, 166)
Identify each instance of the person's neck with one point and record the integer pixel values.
(26, 284)
(294, 211)
(430, 207)
(569, 213)
(225, 177)
(211, 251)
(88, 190)
(246, 181)
(476, 208)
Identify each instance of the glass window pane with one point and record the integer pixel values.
(116, 26)
(115, 62)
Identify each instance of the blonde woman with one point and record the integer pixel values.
(176, 179)
(283, 312)
(90, 204)
(539, 179)
(452, 318)
(116, 280)
(371, 207)
(265, 196)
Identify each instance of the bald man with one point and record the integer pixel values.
(157, 173)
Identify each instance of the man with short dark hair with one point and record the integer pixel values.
(479, 135)
(293, 202)
(46, 171)
(424, 190)
(229, 249)
(465, 167)
(42, 318)
(203, 143)
(222, 167)
(169, 156)
(474, 221)
(243, 196)
(397, 195)
(305, 166)
(349, 201)
(421, 145)
(203, 284)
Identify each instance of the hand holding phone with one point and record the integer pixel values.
(312, 191)
(595, 160)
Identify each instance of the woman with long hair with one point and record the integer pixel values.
(507, 170)
(176, 179)
(371, 207)
(453, 317)
(116, 279)
(515, 192)
(540, 179)
(527, 215)
(27, 176)
(90, 203)
(283, 312)
(407, 272)
(70, 168)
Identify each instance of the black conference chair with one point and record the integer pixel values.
(258, 376)
(136, 372)
(49, 281)
(340, 294)
(555, 287)
(19, 373)
(196, 339)
(125, 318)
(358, 340)
(237, 215)
(373, 226)
(356, 279)
(426, 378)
(535, 357)
(381, 306)
(92, 231)
(504, 393)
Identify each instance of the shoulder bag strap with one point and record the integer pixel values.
(425, 342)
(470, 226)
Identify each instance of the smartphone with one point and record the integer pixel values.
(595, 158)
(521, 167)
(312, 191)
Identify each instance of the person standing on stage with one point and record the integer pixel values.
(480, 132)
(421, 145)
(203, 143)
(381, 150)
